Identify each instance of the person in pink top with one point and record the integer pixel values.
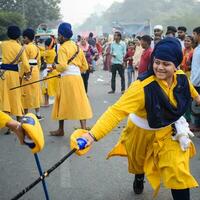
(146, 55)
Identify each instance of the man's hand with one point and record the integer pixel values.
(27, 76)
(16, 127)
(197, 99)
(89, 138)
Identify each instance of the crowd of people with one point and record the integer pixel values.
(156, 138)
(135, 57)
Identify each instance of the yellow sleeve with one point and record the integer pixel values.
(4, 119)
(62, 60)
(25, 63)
(131, 102)
(193, 91)
(38, 58)
(46, 55)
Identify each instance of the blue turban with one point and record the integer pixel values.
(13, 32)
(168, 49)
(29, 33)
(65, 29)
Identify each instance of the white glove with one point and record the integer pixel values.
(184, 142)
(44, 73)
(183, 133)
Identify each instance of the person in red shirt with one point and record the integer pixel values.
(146, 55)
(129, 60)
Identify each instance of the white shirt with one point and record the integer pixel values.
(195, 67)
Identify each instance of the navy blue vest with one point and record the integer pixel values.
(160, 112)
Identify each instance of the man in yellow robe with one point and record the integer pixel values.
(12, 54)
(49, 87)
(71, 101)
(156, 102)
(31, 94)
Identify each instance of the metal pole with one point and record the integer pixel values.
(44, 79)
(43, 176)
(41, 173)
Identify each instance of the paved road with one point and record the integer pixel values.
(91, 177)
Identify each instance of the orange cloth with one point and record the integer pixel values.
(187, 58)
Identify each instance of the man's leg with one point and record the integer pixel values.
(84, 77)
(121, 73)
(129, 73)
(87, 74)
(138, 184)
(60, 131)
(83, 124)
(133, 74)
(113, 70)
(181, 194)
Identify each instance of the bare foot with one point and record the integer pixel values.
(57, 133)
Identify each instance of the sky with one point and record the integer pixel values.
(76, 11)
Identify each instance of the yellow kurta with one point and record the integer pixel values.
(31, 94)
(10, 101)
(71, 101)
(50, 86)
(151, 152)
(4, 119)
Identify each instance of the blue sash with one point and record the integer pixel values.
(160, 112)
(9, 67)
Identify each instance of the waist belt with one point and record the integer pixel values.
(71, 70)
(32, 62)
(141, 122)
(9, 67)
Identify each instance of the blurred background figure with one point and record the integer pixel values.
(107, 57)
(129, 62)
(182, 31)
(158, 35)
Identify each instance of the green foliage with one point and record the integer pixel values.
(7, 19)
(34, 11)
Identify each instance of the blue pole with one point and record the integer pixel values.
(41, 173)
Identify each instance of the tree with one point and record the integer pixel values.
(34, 11)
(7, 19)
